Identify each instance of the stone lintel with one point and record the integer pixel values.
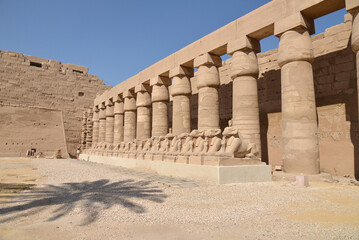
(128, 94)
(160, 80)
(243, 43)
(109, 102)
(352, 6)
(181, 71)
(294, 21)
(207, 59)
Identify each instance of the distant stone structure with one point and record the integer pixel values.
(38, 94)
(295, 106)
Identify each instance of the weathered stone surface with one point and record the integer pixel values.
(23, 128)
(275, 114)
(49, 84)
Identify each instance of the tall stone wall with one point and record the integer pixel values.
(32, 81)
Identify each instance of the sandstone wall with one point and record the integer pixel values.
(23, 128)
(32, 81)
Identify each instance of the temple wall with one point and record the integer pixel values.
(31, 81)
(23, 128)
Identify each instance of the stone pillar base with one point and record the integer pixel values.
(164, 165)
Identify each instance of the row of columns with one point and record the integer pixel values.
(300, 148)
(129, 117)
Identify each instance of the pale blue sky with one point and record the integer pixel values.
(118, 39)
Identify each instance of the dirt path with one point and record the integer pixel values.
(80, 200)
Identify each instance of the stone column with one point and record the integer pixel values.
(181, 91)
(244, 73)
(109, 122)
(129, 109)
(353, 8)
(89, 126)
(160, 98)
(102, 124)
(95, 126)
(208, 84)
(143, 104)
(118, 126)
(300, 150)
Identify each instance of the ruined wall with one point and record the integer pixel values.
(336, 98)
(32, 81)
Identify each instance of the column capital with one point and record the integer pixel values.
(244, 63)
(128, 94)
(109, 108)
(293, 22)
(102, 114)
(142, 88)
(108, 102)
(118, 98)
(118, 107)
(143, 98)
(102, 106)
(207, 59)
(129, 104)
(243, 43)
(352, 6)
(159, 93)
(160, 80)
(181, 71)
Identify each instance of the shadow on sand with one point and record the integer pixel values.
(92, 197)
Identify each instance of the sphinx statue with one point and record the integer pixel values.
(174, 146)
(156, 143)
(198, 145)
(139, 145)
(133, 146)
(214, 142)
(231, 144)
(147, 146)
(186, 144)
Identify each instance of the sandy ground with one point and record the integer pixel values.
(70, 199)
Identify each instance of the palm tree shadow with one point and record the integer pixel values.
(92, 196)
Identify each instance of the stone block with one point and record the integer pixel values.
(157, 157)
(244, 173)
(243, 43)
(140, 156)
(160, 80)
(294, 21)
(302, 180)
(181, 71)
(207, 59)
(142, 88)
(197, 160)
(168, 158)
(182, 159)
(149, 156)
